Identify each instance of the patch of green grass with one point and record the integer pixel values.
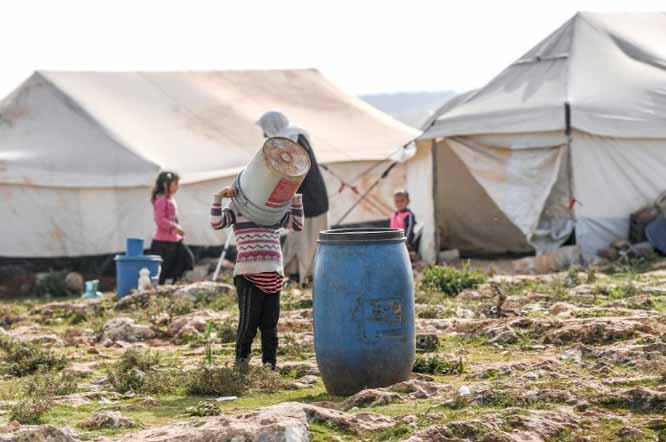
(136, 371)
(397, 433)
(436, 365)
(322, 432)
(23, 358)
(452, 281)
(37, 395)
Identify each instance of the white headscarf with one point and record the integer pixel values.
(272, 123)
(276, 124)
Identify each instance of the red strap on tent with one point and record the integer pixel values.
(572, 202)
(343, 185)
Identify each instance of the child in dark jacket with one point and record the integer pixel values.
(258, 274)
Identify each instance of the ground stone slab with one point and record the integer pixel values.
(418, 389)
(36, 433)
(511, 425)
(286, 422)
(194, 324)
(108, 419)
(126, 330)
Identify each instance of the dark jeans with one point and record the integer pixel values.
(177, 258)
(257, 310)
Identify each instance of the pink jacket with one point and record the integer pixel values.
(166, 219)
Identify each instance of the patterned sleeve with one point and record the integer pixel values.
(293, 220)
(219, 217)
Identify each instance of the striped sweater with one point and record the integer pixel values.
(259, 250)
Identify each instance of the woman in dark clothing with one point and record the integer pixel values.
(300, 248)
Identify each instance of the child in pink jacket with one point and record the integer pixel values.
(168, 238)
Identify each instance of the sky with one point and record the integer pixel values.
(364, 46)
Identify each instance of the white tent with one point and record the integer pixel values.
(80, 150)
(571, 135)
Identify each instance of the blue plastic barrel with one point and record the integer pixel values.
(128, 266)
(363, 294)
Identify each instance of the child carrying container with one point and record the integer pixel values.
(258, 273)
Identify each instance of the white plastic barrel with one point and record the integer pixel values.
(267, 185)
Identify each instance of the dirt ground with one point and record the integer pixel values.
(574, 356)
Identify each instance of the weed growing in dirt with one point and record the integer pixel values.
(204, 409)
(223, 381)
(452, 281)
(137, 371)
(23, 358)
(226, 332)
(30, 410)
(38, 394)
(161, 310)
(9, 314)
(428, 313)
(289, 346)
(399, 432)
(265, 379)
(436, 365)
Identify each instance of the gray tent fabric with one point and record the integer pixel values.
(79, 151)
(571, 134)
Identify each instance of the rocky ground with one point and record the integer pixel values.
(575, 356)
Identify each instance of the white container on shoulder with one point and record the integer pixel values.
(267, 185)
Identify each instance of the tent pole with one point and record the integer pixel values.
(435, 199)
(366, 193)
(567, 126)
(222, 256)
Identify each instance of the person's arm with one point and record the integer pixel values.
(219, 217)
(293, 220)
(409, 228)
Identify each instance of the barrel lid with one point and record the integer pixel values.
(362, 234)
(286, 157)
(138, 258)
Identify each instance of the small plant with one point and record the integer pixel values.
(436, 365)
(130, 371)
(226, 332)
(209, 343)
(591, 275)
(30, 410)
(452, 281)
(223, 381)
(571, 279)
(289, 346)
(23, 358)
(265, 379)
(204, 409)
(51, 383)
(38, 394)
(430, 312)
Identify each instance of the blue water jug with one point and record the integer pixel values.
(128, 266)
(363, 305)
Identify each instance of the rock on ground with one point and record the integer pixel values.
(126, 330)
(507, 426)
(36, 433)
(108, 419)
(286, 422)
(36, 335)
(194, 324)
